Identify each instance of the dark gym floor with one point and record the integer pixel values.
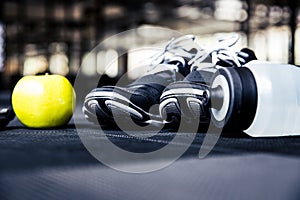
(54, 164)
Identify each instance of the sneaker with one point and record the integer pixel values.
(136, 101)
(6, 115)
(189, 99)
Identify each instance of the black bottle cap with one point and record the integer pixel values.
(233, 95)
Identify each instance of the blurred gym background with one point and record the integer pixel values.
(38, 36)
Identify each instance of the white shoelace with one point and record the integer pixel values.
(222, 51)
(181, 46)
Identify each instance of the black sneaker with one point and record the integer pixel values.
(107, 104)
(6, 115)
(188, 100)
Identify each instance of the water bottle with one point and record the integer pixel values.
(261, 98)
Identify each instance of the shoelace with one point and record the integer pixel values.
(181, 46)
(223, 52)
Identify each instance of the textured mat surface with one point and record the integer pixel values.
(54, 164)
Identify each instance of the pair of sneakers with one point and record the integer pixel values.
(175, 88)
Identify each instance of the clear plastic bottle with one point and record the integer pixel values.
(261, 98)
